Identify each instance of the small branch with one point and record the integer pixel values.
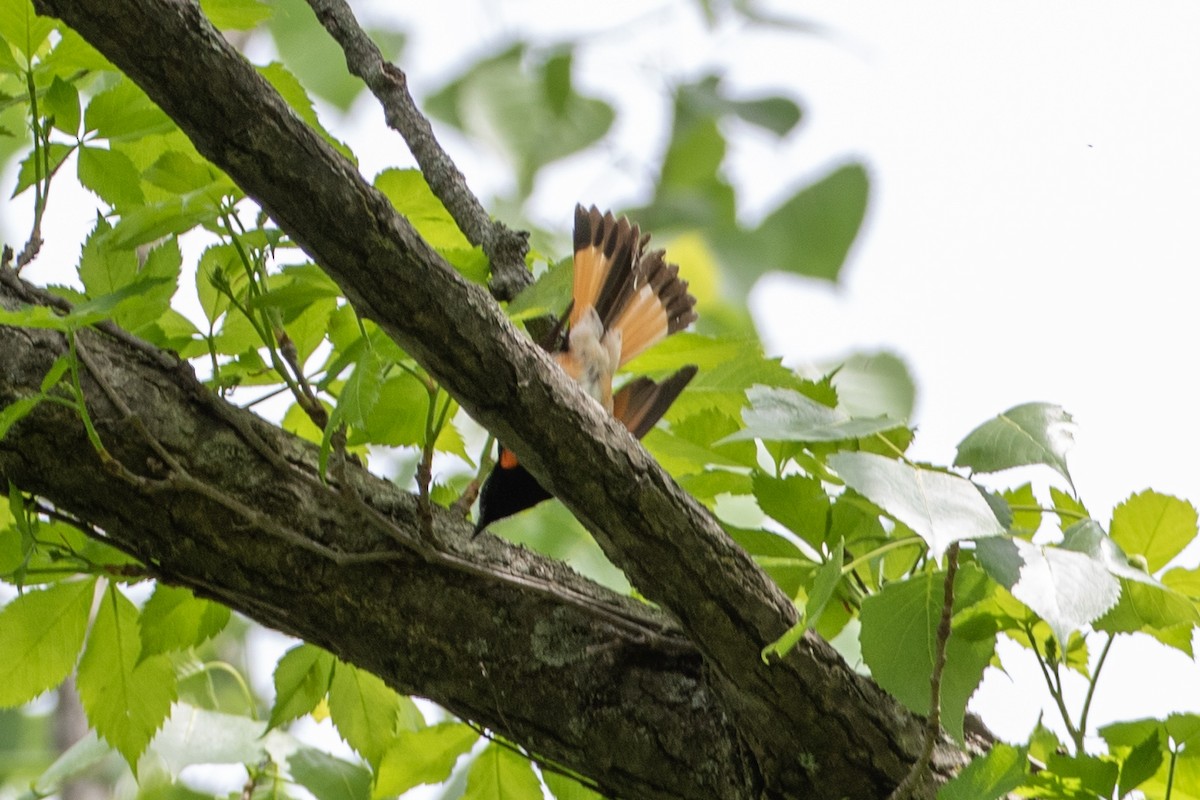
(504, 248)
(933, 723)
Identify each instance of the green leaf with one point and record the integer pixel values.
(179, 173)
(103, 268)
(27, 173)
(111, 175)
(1140, 764)
(76, 760)
(990, 776)
(367, 713)
(22, 27)
(238, 15)
(940, 508)
(809, 234)
(329, 778)
(548, 295)
(1033, 433)
(301, 681)
(1154, 526)
(1066, 588)
(126, 699)
(423, 756)
(361, 391)
(564, 787)
(175, 619)
(500, 774)
(15, 411)
(797, 502)
(175, 215)
(783, 415)
(193, 735)
(61, 102)
(413, 198)
(689, 446)
(315, 57)
(35, 317)
(294, 94)
(899, 636)
(124, 112)
(527, 106)
(41, 633)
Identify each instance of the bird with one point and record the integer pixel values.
(624, 299)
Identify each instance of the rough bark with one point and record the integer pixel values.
(806, 726)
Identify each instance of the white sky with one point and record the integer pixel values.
(1032, 234)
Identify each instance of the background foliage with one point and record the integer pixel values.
(816, 488)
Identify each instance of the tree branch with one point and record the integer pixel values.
(504, 248)
(811, 726)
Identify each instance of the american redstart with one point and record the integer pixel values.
(623, 300)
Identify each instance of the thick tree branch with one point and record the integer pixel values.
(210, 497)
(505, 248)
(813, 727)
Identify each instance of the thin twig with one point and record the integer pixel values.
(504, 248)
(933, 723)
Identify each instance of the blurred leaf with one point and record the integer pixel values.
(1154, 526)
(564, 787)
(126, 698)
(42, 632)
(329, 778)
(1032, 433)
(940, 508)
(691, 444)
(78, 759)
(421, 757)
(175, 619)
(301, 681)
(501, 774)
(179, 214)
(179, 173)
(316, 58)
(786, 415)
(22, 27)
(809, 234)
(990, 776)
(527, 107)
(193, 735)
(413, 198)
(238, 15)
(899, 636)
(1024, 508)
(1066, 588)
(875, 384)
(548, 295)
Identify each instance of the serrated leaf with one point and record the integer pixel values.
(548, 295)
(990, 776)
(329, 778)
(28, 171)
(424, 756)
(175, 619)
(367, 713)
(104, 269)
(294, 93)
(125, 699)
(61, 102)
(1066, 588)
(1032, 433)
(899, 636)
(301, 681)
(1154, 526)
(783, 415)
(500, 774)
(939, 507)
(361, 391)
(41, 633)
(110, 175)
(123, 111)
(175, 215)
